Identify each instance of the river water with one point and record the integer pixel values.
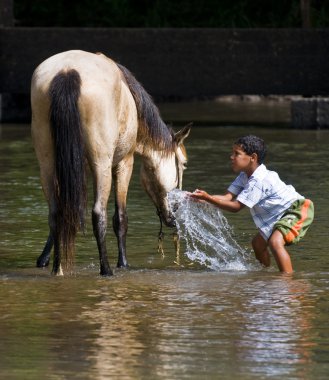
(162, 319)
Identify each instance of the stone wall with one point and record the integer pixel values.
(180, 64)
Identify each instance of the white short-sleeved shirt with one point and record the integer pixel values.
(266, 195)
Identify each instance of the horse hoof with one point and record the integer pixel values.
(106, 273)
(58, 273)
(42, 263)
(122, 265)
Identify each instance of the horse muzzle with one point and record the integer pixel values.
(168, 219)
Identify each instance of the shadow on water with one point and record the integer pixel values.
(159, 320)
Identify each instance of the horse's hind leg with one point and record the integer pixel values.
(121, 175)
(43, 260)
(53, 237)
(47, 175)
(102, 188)
(52, 218)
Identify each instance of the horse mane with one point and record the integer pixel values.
(152, 130)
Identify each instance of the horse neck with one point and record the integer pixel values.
(151, 155)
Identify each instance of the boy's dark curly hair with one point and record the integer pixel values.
(253, 144)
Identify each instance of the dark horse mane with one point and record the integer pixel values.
(152, 130)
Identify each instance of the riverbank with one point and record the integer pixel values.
(230, 110)
(256, 110)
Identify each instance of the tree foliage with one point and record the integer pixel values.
(168, 13)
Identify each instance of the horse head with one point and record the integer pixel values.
(163, 172)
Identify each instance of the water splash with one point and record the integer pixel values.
(207, 234)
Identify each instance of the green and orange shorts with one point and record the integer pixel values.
(296, 220)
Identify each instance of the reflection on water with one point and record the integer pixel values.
(163, 325)
(159, 320)
(279, 332)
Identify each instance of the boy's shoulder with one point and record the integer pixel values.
(263, 174)
(265, 180)
(260, 172)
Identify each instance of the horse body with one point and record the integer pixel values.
(106, 105)
(85, 107)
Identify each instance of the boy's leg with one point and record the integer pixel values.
(282, 258)
(259, 245)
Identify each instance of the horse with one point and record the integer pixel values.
(88, 110)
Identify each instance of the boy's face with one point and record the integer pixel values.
(242, 162)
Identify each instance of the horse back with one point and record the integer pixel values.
(106, 106)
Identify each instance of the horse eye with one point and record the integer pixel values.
(184, 165)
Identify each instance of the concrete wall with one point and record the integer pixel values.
(182, 63)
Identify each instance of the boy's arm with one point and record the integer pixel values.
(225, 202)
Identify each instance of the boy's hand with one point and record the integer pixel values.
(199, 194)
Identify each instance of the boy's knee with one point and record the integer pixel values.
(254, 244)
(276, 241)
(258, 243)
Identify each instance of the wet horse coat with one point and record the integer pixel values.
(87, 108)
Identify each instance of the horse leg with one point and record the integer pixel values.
(46, 174)
(57, 268)
(52, 241)
(99, 219)
(43, 260)
(54, 233)
(177, 247)
(121, 175)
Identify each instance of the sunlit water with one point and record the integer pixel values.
(222, 318)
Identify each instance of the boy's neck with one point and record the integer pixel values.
(252, 168)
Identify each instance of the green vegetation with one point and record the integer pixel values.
(169, 13)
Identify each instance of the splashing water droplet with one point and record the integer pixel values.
(207, 234)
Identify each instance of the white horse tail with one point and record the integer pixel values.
(70, 178)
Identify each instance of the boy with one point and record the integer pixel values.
(281, 215)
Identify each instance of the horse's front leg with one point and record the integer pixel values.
(177, 247)
(121, 176)
(120, 227)
(43, 259)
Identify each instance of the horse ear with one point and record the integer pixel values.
(181, 135)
